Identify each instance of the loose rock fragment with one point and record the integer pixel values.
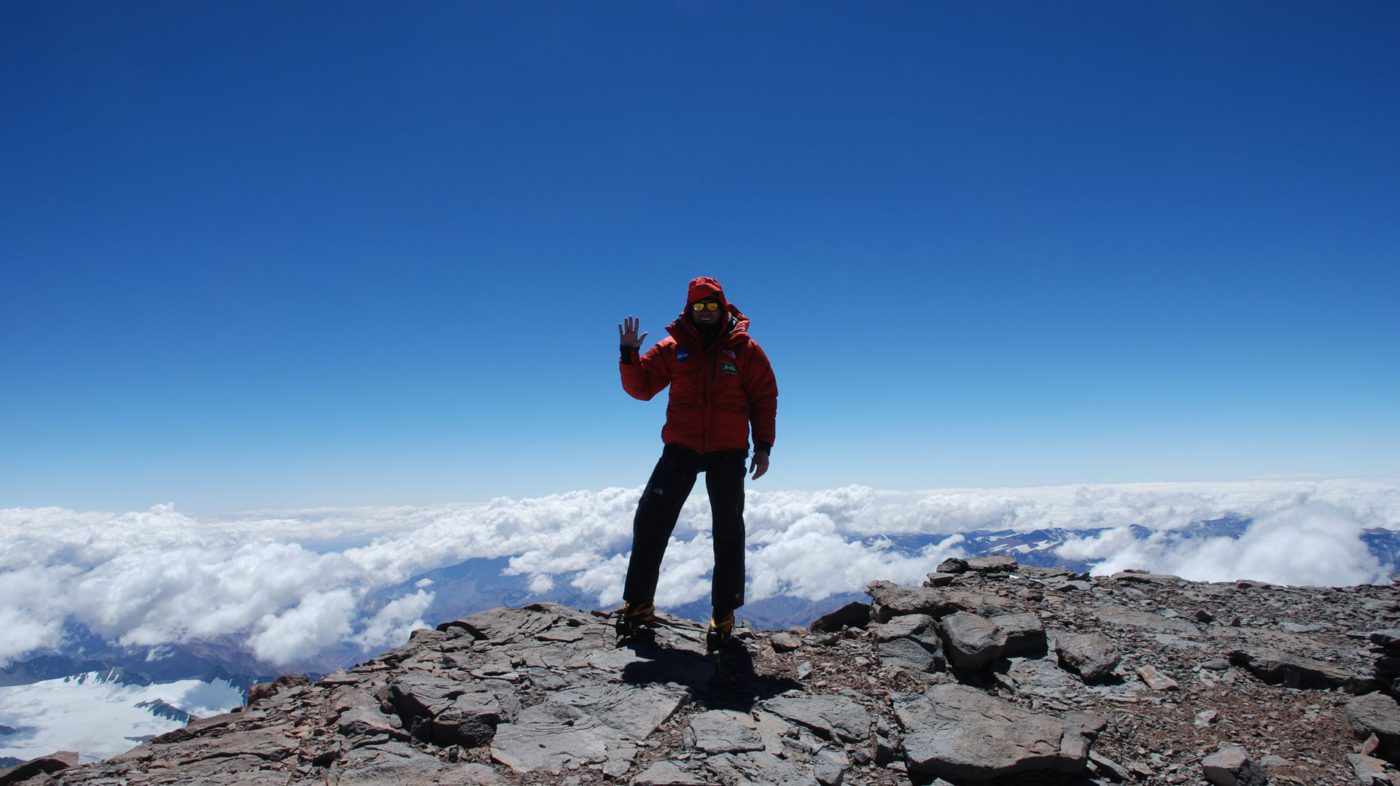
(1093, 656)
(1230, 766)
(1155, 679)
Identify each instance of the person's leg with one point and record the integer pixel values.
(724, 480)
(657, 512)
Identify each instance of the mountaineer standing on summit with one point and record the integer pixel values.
(721, 383)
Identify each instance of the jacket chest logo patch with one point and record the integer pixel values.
(729, 353)
(682, 355)
(728, 368)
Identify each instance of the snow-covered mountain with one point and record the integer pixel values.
(101, 714)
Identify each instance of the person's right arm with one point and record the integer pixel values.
(643, 376)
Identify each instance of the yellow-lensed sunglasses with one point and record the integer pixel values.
(704, 305)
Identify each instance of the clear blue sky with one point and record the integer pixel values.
(268, 254)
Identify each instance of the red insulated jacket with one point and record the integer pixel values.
(718, 386)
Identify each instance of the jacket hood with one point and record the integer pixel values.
(703, 287)
(735, 331)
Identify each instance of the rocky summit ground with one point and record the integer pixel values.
(989, 673)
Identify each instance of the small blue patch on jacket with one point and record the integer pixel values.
(682, 355)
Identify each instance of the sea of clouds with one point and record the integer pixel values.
(293, 584)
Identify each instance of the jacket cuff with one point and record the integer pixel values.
(762, 447)
(629, 354)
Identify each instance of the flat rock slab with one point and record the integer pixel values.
(665, 773)
(891, 600)
(1144, 578)
(997, 563)
(1293, 671)
(724, 731)
(1146, 620)
(588, 725)
(904, 627)
(962, 734)
(549, 737)
(400, 763)
(831, 716)
(760, 768)
(1040, 677)
(505, 625)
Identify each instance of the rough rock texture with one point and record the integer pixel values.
(38, 770)
(1231, 766)
(974, 642)
(1090, 655)
(962, 734)
(1377, 714)
(544, 695)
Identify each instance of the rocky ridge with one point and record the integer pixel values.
(989, 673)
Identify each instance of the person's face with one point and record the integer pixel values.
(708, 313)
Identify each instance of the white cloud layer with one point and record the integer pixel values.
(1314, 543)
(295, 583)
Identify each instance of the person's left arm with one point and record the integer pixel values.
(761, 388)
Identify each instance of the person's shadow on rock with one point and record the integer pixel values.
(723, 680)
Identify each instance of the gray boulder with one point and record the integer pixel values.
(1378, 714)
(953, 565)
(1231, 766)
(854, 615)
(911, 654)
(974, 641)
(1093, 656)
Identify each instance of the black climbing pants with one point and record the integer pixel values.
(660, 506)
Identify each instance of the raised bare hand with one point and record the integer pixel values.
(627, 333)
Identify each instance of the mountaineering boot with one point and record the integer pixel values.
(721, 630)
(634, 617)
